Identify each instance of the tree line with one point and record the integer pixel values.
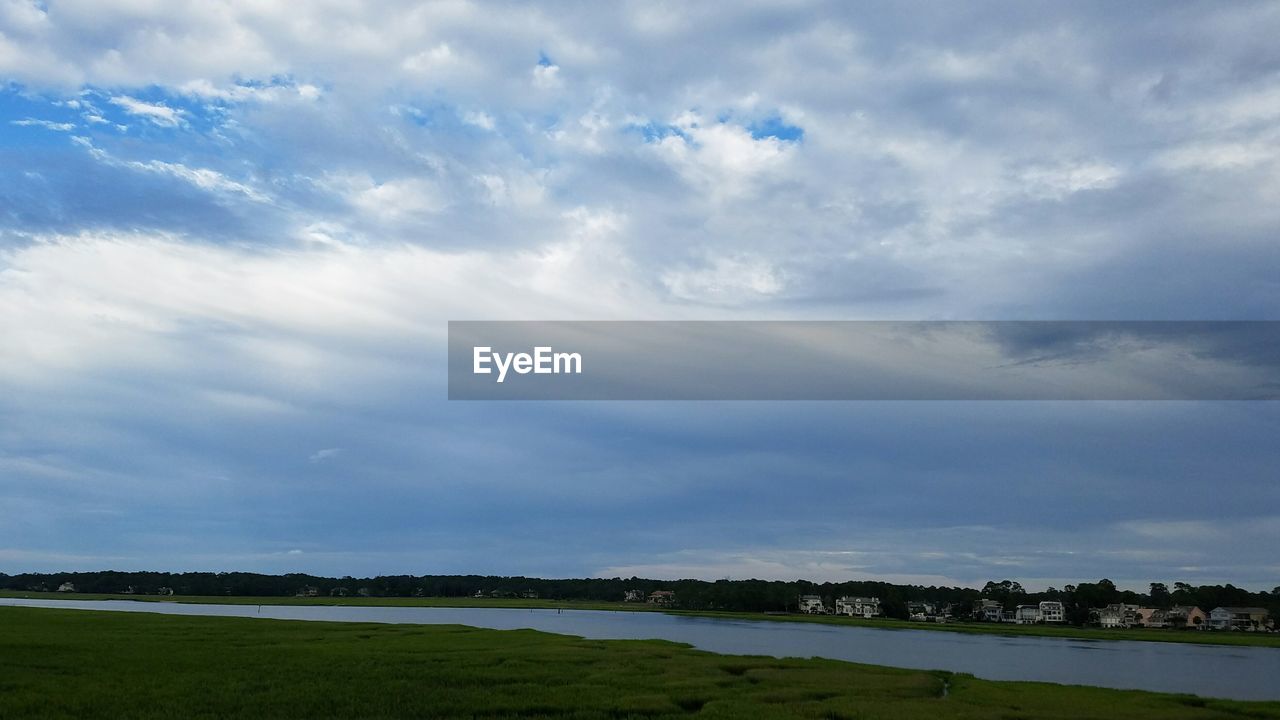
(728, 595)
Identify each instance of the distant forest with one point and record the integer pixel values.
(731, 595)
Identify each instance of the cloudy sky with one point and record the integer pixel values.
(232, 233)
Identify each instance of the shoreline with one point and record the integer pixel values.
(1197, 637)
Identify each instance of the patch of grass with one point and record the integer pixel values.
(82, 664)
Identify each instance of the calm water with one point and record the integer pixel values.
(1211, 670)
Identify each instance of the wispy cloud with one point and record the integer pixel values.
(156, 113)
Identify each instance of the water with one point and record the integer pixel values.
(1240, 673)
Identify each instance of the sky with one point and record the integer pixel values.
(232, 234)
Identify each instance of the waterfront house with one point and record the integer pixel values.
(812, 605)
(633, 596)
(304, 591)
(1238, 618)
(66, 587)
(1115, 615)
(1027, 614)
(989, 611)
(1184, 617)
(662, 597)
(529, 594)
(864, 607)
(1051, 611)
(1152, 617)
(919, 611)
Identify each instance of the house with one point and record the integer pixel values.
(339, 592)
(633, 596)
(529, 594)
(479, 594)
(1026, 614)
(812, 605)
(920, 611)
(1184, 617)
(1152, 617)
(863, 607)
(66, 587)
(1238, 618)
(305, 591)
(1051, 611)
(1115, 615)
(165, 591)
(989, 611)
(662, 597)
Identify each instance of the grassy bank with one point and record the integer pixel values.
(65, 663)
(1149, 635)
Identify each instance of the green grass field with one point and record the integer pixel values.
(82, 664)
(1152, 635)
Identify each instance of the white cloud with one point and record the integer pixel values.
(547, 77)
(720, 158)
(46, 124)
(325, 454)
(726, 280)
(479, 119)
(275, 92)
(203, 178)
(156, 113)
(1057, 181)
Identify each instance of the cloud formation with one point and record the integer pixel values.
(231, 233)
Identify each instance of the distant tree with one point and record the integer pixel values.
(1159, 595)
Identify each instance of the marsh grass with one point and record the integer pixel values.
(74, 663)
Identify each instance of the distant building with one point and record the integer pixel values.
(1116, 615)
(863, 607)
(919, 610)
(633, 596)
(1051, 611)
(662, 597)
(164, 591)
(1238, 618)
(339, 592)
(66, 587)
(989, 611)
(1152, 617)
(307, 591)
(1184, 617)
(529, 594)
(812, 605)
(1027, 614)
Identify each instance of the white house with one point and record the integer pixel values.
(864, 607)
(989, 611)
(1051, 611)
(1116, 615)
(812, 605)
(1238, 618)
(66, 587)
(1027, 614)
